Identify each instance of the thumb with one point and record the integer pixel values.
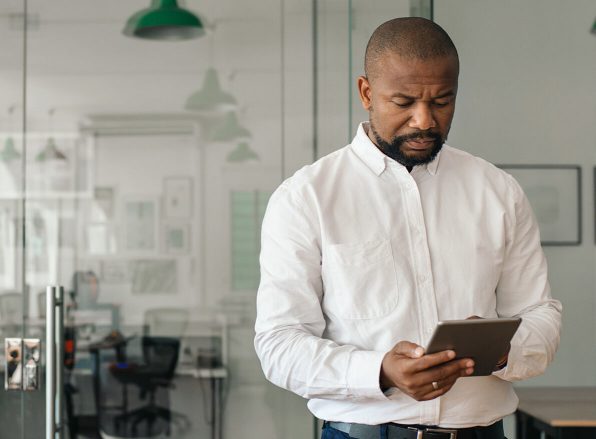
(408, 349)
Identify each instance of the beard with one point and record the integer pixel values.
(395, 147)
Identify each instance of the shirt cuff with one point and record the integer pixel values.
(363, 374)
(515, 368)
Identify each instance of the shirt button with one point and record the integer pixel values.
(421, 278)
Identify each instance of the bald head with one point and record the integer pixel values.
(409, 37)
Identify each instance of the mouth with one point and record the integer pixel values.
(420, 144)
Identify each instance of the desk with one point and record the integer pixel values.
(558, 412)
(216, 376)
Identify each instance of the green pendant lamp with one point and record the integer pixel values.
(164, 20)
(229, 129)
(242, 153)
(50, 152)
(210, 97)
(9, 153)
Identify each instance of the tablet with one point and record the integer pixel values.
(483, 340)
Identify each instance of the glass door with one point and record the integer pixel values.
(149, 164)
(14, 404)
(140, 171)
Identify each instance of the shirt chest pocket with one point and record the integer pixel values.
(360, 280)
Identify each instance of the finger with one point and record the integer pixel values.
(447, 372)
(420, 383)
(474, 317)
(433, 360)
(439, 387)
(409, 349)
(432, 394)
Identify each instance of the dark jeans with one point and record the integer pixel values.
(494, 431)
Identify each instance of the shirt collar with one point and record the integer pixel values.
(372, 156)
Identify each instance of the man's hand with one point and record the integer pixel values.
(423, 377)
(503, 360)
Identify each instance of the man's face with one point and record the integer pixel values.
(411, 104)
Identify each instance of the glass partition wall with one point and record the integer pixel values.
(135, 174)
(12, 159)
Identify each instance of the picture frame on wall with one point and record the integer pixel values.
(140, 224)
(177, 197)
(154, 276)
(594, 192)
(554, 192)
(102, 208)
(176, 237)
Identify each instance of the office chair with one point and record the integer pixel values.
(160, 357)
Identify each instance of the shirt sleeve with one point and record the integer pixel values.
(523, 290)
(290, 323)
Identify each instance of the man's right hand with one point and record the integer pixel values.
(410, 370)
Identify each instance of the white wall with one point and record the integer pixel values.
(526, 96)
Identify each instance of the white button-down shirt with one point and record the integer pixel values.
(358, 254)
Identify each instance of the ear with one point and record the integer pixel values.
(364, 92)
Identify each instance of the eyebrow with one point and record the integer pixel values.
(444, 95)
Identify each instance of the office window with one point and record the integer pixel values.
(247, 209)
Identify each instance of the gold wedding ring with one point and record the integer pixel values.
(435, 385)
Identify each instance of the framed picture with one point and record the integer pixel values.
(102, 208)
(100, 239)
(140, 224)
(154, 276)
(114, 271)
(594, 177)
(42, 225)
(177, 193)
(8, 243)
(554, 192)
(176, 237)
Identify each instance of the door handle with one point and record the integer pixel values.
(54, 361)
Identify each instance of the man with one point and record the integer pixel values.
(364, 251)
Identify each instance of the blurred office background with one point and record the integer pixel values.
(135, 173)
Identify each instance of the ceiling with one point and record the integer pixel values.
(80, 63)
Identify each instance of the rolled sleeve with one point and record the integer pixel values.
(524, 291)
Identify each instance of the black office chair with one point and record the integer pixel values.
(160, 357)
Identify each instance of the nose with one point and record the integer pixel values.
(422, 117)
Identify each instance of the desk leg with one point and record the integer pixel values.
(219, 386)
(216, 418)
(213, 408)
(524, 427)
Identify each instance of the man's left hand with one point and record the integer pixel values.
(503, 360)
